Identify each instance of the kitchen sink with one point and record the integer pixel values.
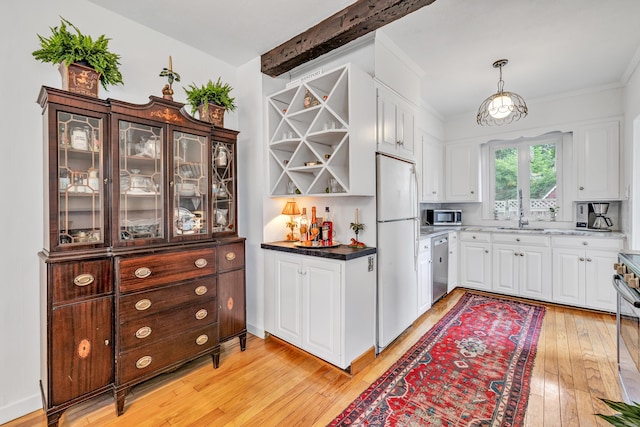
(521, 229)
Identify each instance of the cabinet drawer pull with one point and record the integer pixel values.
(201, 314)
(143, 332)
(201, 290)
(202, 339)
(230, 256)
(143, 272)
(83, 279)
(143, 362)
(143, 304)
(201, 263)
(517, 239)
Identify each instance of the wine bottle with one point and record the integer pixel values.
(315, 227)
(327, 228)
(304, 226)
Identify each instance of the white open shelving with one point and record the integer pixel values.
(332, 137)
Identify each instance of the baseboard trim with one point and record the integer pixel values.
(20, 408)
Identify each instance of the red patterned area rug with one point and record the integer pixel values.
(471, 369)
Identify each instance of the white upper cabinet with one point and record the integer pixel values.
(320, 136)
(597, 150)
(396, 125)
(462, 182)
(432, 169)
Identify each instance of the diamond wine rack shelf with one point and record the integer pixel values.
(318, 136)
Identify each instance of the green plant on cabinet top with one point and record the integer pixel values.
(67, 47)
(216, 93)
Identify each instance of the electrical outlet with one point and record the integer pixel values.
(370, 268)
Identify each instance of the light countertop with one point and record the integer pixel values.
(434, 231)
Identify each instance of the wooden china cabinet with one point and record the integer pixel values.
(142, 268)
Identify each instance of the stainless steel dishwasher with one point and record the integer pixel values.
(440, 264)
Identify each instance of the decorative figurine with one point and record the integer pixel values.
(356, 227)
(167, 90)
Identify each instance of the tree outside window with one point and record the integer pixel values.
(530, 166)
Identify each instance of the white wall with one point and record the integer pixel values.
(251, 169)
(631, 148)
(144, 53)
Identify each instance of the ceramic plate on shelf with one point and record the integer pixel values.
(302, 245)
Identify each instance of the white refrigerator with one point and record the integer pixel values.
(397, 247)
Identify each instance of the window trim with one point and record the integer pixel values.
(561, 139)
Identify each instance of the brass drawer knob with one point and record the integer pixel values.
(201, 314)
(143, 272)
(143, 304)
(83, 279)
(202, 339)
(230, 256)
(201, 290)
(143, 332)
(143, 362)
(201, 263)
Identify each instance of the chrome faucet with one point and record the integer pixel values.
(522, 221)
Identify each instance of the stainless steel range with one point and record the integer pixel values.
(626, 281)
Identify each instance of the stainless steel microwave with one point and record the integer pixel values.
(442, 217)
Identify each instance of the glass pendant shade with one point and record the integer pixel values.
(501, 107)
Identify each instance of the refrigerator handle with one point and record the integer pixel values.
(416, 246)
(416, 224)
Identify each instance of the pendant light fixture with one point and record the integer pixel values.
(501, 107)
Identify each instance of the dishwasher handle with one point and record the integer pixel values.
(441, 241)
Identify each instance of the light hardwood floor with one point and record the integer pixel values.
(272, 384)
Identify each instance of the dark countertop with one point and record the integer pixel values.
(342, 252)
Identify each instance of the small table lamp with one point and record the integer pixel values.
(291, 209)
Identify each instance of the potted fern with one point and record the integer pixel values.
(211, 100)
(79, 56)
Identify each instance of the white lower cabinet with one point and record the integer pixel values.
(424, 276)
(475, 260)
(453, 260)
(323, 306)
(522, 266)
(582, 271)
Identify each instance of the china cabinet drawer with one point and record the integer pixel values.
(80, 279)
(231, 256)
(149, 329)
(146, 360)
(154, 301)
(143, 272)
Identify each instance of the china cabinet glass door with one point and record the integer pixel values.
(80, 174)
(190, 185)
(223, 187)
(141, 194)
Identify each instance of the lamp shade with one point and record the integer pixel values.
(291, 208)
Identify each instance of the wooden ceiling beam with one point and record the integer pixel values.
(350, 23)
